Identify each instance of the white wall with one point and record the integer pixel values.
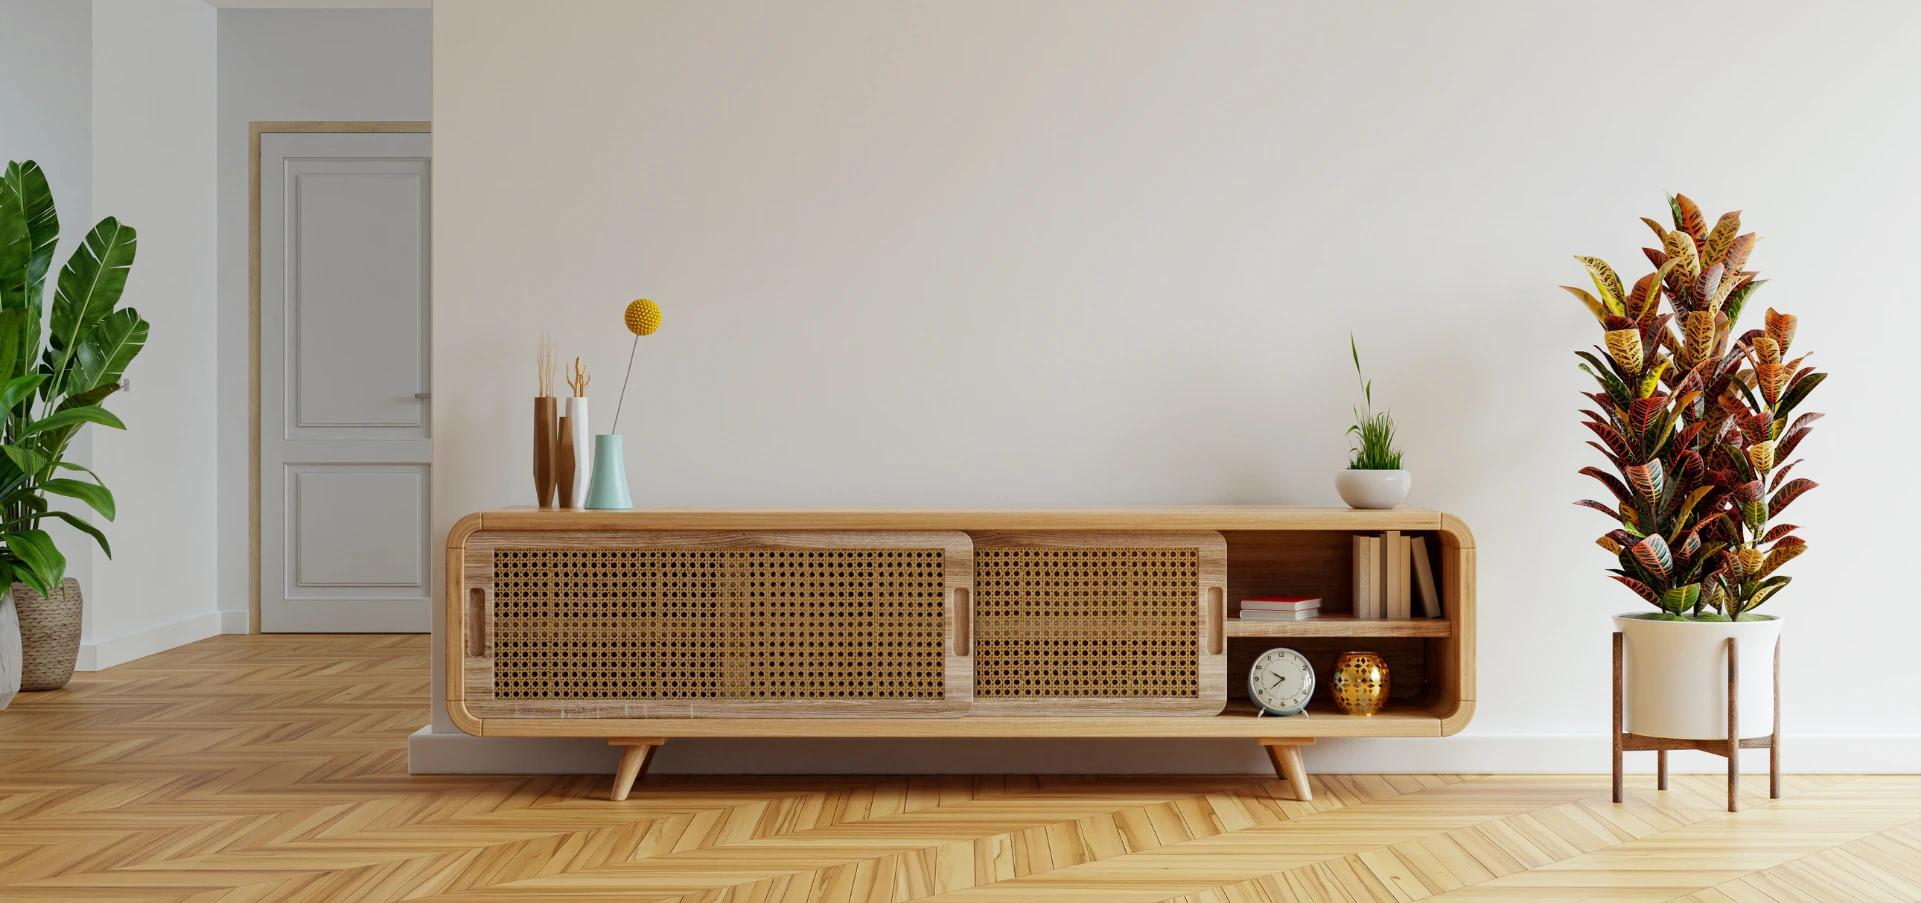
(1095, 252)
(153, 167)
(306, 64)
(48, 107)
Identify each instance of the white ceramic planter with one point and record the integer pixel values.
(1373, 488)
(1675, 676)
(583, 439)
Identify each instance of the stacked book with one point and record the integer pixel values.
(1389, 571)
(1280, 608)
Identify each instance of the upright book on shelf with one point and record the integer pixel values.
(1424, 580)
(1370, 577)
(1393, 575)
(1363, 567)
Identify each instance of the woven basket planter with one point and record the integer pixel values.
(49, 634)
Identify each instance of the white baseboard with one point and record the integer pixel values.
(235, 621)
(104, 654)
(429, 752)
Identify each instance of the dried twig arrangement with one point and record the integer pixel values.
(544, 365)
(578, 381)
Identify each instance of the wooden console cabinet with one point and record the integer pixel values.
(645, 625)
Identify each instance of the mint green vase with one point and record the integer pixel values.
(608, 491)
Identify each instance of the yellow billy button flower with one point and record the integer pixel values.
(643, 317)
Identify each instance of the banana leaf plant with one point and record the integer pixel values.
(1665, 366)
(58, 363)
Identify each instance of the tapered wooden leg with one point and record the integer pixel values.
(1286, 756)
(635, 754)
(1774, 740)
(1619, 790)
(1661, 772)
(1734, 724)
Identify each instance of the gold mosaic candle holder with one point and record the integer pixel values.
(1361, 683)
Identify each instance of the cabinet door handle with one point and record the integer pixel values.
(963, 621)
(1216, 619)
(477, 622)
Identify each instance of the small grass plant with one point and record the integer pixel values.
(1373, 442)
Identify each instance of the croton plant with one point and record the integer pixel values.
(1695, 420)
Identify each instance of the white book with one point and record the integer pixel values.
(1280, 603)
(1363, 582)
(1394, 568)
(1259, 615)
(1424, 580)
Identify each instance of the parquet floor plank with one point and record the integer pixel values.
(256, 769)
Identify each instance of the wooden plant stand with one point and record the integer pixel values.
(1729, 748)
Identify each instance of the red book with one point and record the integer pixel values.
(1281, 603)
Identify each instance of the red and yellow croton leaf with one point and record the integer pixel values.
(1606, 283)
(1624, 345)
(1700, 338)
(1779, 530)
(1614, 485)
(1786, 495)
(1590, 503)
(1680, 248)
(1589, 301)
(1781, 328)
(1784, 551)
(1647, 290)
(1612, 437)
(1706, 285)
(1639, 588)
(1689, 218)
(1652, 552)
(1738, 251)
(1761, 457)
(1780, 476)
(1722, 237)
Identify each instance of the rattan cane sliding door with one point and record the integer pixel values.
(1099, 623)
(689, 624)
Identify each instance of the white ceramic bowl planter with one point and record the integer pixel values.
(1373, 488)
(1676, 677)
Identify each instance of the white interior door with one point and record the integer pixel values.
(344, 442)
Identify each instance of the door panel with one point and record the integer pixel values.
(345, 448)
(357, 301)
(357, 530)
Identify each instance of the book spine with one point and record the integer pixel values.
(1404, 593)
(1424, 579)
(1362, 567)
(1391, 570)
(1377, 576)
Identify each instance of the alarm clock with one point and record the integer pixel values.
(1280, 682)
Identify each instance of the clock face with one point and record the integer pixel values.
(1281, 681)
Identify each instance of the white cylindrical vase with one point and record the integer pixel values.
(583, 450)
(1675, 676)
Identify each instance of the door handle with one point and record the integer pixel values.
(423, 396)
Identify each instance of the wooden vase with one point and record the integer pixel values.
(564, 473)
(546, 429)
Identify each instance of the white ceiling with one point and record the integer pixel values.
(322, 4)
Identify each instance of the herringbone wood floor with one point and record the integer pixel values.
(274, 768)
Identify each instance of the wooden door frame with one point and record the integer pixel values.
(254, 130)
